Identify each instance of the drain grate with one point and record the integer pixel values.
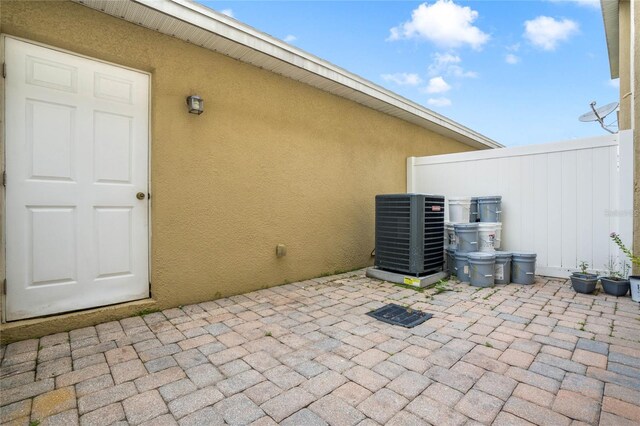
(399, 315)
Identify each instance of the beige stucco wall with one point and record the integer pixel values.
(270, 161)
(636, 133)
(629, 115)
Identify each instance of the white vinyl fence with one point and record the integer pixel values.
(560, 200)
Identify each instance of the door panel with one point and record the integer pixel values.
(52, 245)
(112, 147)
(114, 241)
(50, 136)
(76, 156)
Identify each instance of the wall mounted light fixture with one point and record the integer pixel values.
(196, 104)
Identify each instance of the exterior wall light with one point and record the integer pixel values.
(196, 104)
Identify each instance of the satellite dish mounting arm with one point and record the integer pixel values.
(598, 118)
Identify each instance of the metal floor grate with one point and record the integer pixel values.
(399, 315)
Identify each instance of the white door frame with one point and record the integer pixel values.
(3, 224)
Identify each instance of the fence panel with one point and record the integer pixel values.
(561, 200)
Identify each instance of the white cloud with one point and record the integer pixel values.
(546, 32)
(227, 12)
(513, 47)
(458, 71)
(290, 38)
(444, 23)
(443, 60)
(403, 78)
(614, 83)
(594, 4)
(512, 59)
(437, 85)
(447, 63)
(439, 102)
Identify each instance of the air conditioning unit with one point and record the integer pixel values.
(410, 233)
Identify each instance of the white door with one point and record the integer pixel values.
(76, 157)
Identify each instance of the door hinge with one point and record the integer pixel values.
(4, 179)
(4, 287)
(4, 70)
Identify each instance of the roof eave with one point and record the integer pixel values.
(199, 25)
(611, 18)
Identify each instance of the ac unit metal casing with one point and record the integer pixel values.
(410, 233)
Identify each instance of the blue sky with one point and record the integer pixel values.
(519, 72)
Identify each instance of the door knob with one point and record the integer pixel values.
(140, 195)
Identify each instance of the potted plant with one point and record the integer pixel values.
(634, 280)
(584, 266)
(583, 281)
(616, 282)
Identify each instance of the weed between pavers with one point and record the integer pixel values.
(582, 324)
(441, 287)
(490, 294)
(147, 312)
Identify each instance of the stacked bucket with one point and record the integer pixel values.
(472, 236)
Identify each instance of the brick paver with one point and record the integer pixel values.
(53, 402)
(144, 406)
(306, 353)
(383, 405)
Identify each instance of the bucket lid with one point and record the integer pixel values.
(467, 199)
(461, 255)
(524, 254)
(490, 198)
(503, 254)
(472, 225)
(479, 255)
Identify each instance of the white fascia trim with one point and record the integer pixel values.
(231, 29)
(611, 18)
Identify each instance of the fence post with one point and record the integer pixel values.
(411, 175)
(625, 186)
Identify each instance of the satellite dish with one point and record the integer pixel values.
(599, 114)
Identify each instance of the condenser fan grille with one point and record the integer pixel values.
(410, 233)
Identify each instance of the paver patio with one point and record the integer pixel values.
(306, 354)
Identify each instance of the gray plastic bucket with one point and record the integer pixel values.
(523, 267)
(481, 269)
(451, 261)
(489, 208)
(467, 236)
(503, 267)
(450, 236)
(473, 210)
(462, 267)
